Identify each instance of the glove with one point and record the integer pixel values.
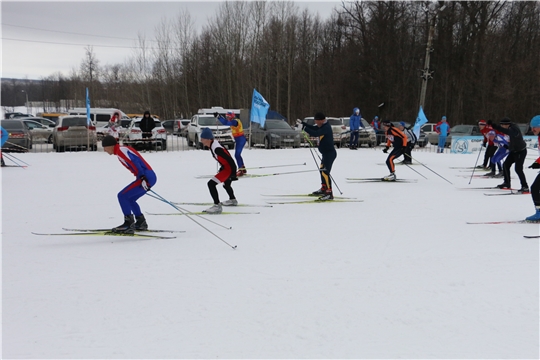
(216, 115)
(505, 146)
(535, 165)
(484, 144)
(489, 122)
(385, 150)
(144, 183)
(298, 122)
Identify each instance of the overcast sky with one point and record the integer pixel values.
(32, 31)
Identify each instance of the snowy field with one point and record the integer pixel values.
(399, 275)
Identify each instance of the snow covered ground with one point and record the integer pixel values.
(400, 275)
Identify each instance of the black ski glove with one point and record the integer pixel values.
(535, 165)
(216, 115)
(144, 183)
(385, 150)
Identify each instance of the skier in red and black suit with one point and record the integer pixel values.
(395, 137)
(491, 148)
(225, 175)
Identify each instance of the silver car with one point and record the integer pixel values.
(39, 131)
(20, 138)
(72, 131)
(133, 135)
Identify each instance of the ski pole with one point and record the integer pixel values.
(416, 171)
(12, 158)
(273, 166)
(159, 197)
(316, 164)
(474, 168)
(19, 146)
(432, 171)
(17, 158)
(186, 212)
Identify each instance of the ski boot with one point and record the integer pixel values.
(140, 223)
(215, 209)
(127, 226)
(524, 190)
(535, 216)
(490, 174)
(241, 172)
(327, 196)
(230, 202)
(503, 186)
(320, 192)
(391, 177)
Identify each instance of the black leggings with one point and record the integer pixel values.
(518, 158)
(213, 190)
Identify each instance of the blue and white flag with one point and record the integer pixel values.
(87, 108)
(421, 119)
(259, 108)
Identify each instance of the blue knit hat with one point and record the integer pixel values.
(535, 121)
(207, 134)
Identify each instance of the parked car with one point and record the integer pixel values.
(221, 132)
(40, 120)
(14, 115)
(457, 130)
(184, 124)
(122, 129)
(133, 135)
(20, 138)
(39, 131)
(172, 126)
(72, 131)
(274, 134)
(428, 128)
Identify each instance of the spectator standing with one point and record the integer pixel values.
(323, 131)
(398, 139)
(147, 125)
(128, 196)
(516, 155)
(443, 129)
(225, 175)
(355, 123)
(239, 138)
(375, 123)
(535, 187)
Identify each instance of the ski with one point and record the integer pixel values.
(258, 175)
(467, 167)
(210, 204)
(303, 196)
(380, 180)
(106, 233)
(486, 188)
(504, 222)
(313, 201)
(531, 236)
(205, 213)
(508, 193)
(137, 231)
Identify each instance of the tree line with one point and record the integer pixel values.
(484, 62)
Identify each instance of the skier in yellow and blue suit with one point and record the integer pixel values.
(239, 138)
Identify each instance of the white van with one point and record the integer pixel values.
(99, 116)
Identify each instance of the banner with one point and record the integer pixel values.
(87, 108)
(421, 119)
(259, 108)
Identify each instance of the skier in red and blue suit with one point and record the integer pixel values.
(501, 141)
(128, 196)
